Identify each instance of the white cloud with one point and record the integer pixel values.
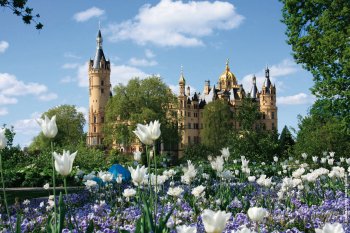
(3, 111)
(88, 14)
(149, 53)
(176, 23)
(297, 99)
(284, 68)
(3, 46)
(119, 74)
(67, 79)
(71, 55)
(70, 66)
(142, 62)
(48, 97)
(11, 87)
(4, 100)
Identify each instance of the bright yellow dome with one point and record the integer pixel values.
(227, 78)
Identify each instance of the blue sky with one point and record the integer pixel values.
(40, 70)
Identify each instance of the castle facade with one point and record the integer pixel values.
(190, 107)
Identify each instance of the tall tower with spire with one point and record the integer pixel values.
(268, 106)
(99, 93)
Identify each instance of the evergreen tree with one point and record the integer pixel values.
(217, 120)
(286, 141)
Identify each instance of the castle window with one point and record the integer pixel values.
(189, 125)
(94, 129)
(189, 114)
(102, 91)
(95, 119)
(189, 139)
(263, 116)
(102, 82)
(272, 115)
(273, 126)
(102, 119)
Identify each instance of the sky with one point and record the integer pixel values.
(43, 69)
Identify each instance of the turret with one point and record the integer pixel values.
(254, 91)
(99, 93)
(182, 83)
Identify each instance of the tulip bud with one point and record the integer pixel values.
(48, 127)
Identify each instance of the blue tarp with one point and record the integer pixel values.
(117, 169)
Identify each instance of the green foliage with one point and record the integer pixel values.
(217, 118)
(248, 114)
(286, 142)
(196, 152)
(317, 135)
(255, 145)
(141, 101)
(20, 8)
(319, 32)
(70, 124)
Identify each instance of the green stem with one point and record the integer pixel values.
(156, 186)
(4, 192)
(54, 184)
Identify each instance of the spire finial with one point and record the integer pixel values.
(182, 70)
(99, 25)
(227, 61)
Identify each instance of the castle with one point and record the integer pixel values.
(190, 110)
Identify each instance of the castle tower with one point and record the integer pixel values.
(268, 106)
(227, 79)
(99, 93)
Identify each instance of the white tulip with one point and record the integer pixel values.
(215, 222)
(138, 174)
(225, 153)
(154, 130)
(304, 155)
(119, 179)
(251, 178)
(198, 191)
(48, 127)
(175, 192)
(64, 162)
(137, 156)
(148, 133)
(129, 193)
(314, 158)
(257, 214)
(186, 229)
(331, 228)
(90, 183)
(3, 139)
(275, 158)
(46, 186)
(105, 176)
(218, 164)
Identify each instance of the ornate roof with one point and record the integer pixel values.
(227, 75)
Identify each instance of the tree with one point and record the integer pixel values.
(70, 124)
(248, 114)
(286, 141)
(141, 101)
(20, 8)
(317, 135)
(217, 120)
(319, 32)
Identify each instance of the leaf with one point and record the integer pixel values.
(90, 228)
(18, 223)
(61, 210)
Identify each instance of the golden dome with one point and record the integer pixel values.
(227, 78)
